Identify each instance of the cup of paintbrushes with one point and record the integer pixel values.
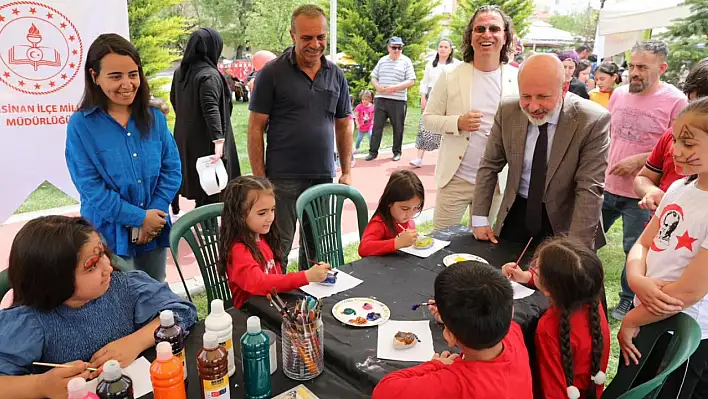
(302, 346)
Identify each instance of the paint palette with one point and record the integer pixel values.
(361, 312)
(456, 258)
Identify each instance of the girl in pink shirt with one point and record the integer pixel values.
(364, 117)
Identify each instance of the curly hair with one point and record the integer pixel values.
(238, 202)
(507, 48)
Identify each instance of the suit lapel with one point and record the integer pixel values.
(565, 131)
(519, 131)
(465, 72)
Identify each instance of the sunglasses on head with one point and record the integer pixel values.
(396, 47)
(491, 28)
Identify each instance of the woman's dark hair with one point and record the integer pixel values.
(573, 276)
(697, 80)
(700, 107)
(237, 205)
(450, 58)
(610, 68)
(111, 43)
(582, 65)
(43, 260)
(508, 47)
(403, 185)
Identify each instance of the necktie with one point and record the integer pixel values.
(537, 185)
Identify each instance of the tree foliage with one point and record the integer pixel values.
(364, 27)
(155, 32)
(581, 23)
(228, 17)
(268, 25)
(520, 12)
(687, 40)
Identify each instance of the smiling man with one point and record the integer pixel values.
(641, 112)
(304, 99)
(556, 150)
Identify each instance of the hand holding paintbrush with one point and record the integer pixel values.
(405, 238)
(318, 272)
(512, 270)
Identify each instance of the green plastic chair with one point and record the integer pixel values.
(200, 228)
(4, 283)
(685, 341)
(322, 207)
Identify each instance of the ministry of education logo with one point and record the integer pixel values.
(40, 49)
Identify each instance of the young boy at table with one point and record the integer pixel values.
(475, 302)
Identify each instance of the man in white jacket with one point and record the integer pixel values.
(462, 106)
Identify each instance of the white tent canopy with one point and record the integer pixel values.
(543, 33)
(622, 22)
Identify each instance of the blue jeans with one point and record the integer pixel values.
(634, 219)
(360, 137)
(154, 263)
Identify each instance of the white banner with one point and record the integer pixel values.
(43, 46)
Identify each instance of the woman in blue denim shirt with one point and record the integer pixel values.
(122, 157)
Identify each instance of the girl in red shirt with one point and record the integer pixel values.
(573, 337)
(392, 226)
(250, 246)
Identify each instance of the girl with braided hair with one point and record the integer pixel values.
(573, 337)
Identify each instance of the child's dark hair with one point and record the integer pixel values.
(582, 65)
(573, 276)
(237, 205)
(697, 80)
(475, 302)
(365, 93)
(403, 185)
(700, 107)
(44, 276)
(610, 68)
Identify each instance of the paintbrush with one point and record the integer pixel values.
(418, 305)
(524, 251)
(63, 366)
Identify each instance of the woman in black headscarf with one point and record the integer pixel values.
(202, 102)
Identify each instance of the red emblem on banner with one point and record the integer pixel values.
(40, 49)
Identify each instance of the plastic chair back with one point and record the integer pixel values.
(685, 340)
(4, 283)
(322, 206)
(200, 228)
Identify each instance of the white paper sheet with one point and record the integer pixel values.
(139, 372)
(520, 291)
(344, 282)
(424, 253)
(421, 352)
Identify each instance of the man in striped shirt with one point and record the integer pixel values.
(391, 77)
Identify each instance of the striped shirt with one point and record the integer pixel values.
(390, 73)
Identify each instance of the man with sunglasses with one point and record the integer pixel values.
(391, 77)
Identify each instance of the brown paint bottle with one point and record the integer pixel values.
(213, 366)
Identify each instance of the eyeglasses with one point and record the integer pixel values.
(396, 48)
(483, 28)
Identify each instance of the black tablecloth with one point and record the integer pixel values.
(326, 385)
(399, 280)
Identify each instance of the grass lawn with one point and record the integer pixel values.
(612, 258)
(47, 196)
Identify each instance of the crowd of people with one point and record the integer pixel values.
(549, 151)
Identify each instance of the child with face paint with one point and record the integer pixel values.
(668, 266)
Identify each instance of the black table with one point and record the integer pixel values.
(398, 280)
(326, 385)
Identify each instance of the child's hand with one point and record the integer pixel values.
(446, 357)
(53, 383)
(318, 272)
(124, 350)
(513, 272)
(625, 336)
(434, 310)
(406, 238)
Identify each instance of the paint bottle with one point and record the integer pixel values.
(167, 374)
(213, 365)
(171, 332)
(78, 389)
(221, 323)
(113, 384)
(255, 356)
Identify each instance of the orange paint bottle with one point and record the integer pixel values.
(167, 374)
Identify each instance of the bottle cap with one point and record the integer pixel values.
(77, 388)
(211, 340)
(253, 325)
(112, 370)
(217, 307)
(164, 351)
(167, 318)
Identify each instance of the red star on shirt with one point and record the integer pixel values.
(63, 76)
(50, 15)
(33, 11)
(52, 84)
(37, 86)
(21, 83)
(2, 19)
(74, 52)
(72, 65)
(6, 74)
(63, 25)
(16, 11)
(72, 38)
(685, 241)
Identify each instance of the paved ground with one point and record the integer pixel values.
(369, 177)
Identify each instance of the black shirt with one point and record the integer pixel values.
(300, 138)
